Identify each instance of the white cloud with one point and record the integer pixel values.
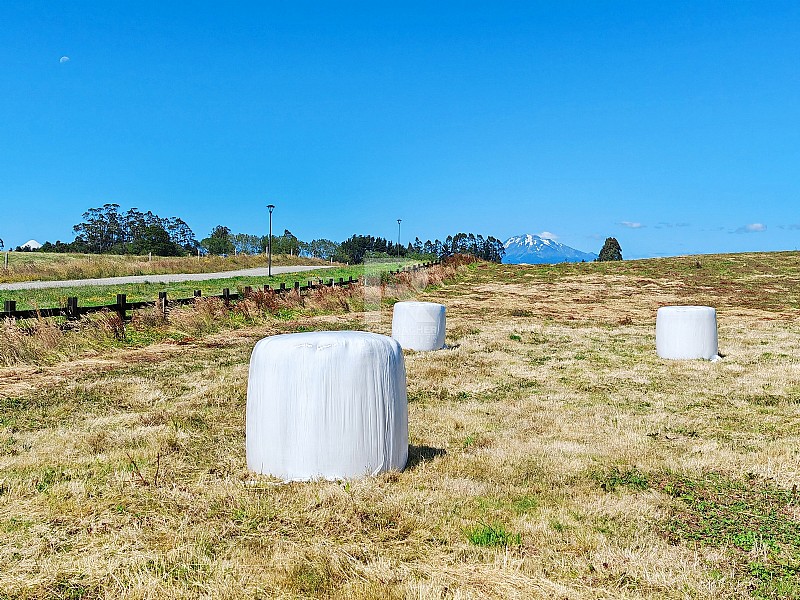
(752, 228)
(63, 59)
(547, 235)
(631, 224)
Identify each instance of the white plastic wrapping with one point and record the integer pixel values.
(419, 325)
(685, 332)
(326, 405)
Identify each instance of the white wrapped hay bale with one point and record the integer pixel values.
(326, 405)
(684, 332)
(419, 325)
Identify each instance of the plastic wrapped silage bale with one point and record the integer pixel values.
(685, 332)
(326, 405)
(419, 325)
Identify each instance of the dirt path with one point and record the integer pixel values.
(171, 278)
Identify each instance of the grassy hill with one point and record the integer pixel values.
(553, 454)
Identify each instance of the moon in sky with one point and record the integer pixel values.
(63, 59)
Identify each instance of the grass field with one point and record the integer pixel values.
(49, 266)
(553, 454)
(97, 295)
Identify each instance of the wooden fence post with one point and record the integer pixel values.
(226, 296)
(72, 307)
(198, 293)
(121, 306)
(162, 303)
(267, 288)
(297, 285)
(9, 306)
(283, 287)
(247, 291)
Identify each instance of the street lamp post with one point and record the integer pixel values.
(398, 237)
(271, 207)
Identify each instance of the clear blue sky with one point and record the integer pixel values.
(674, 126)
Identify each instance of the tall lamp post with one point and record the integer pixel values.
(398, 237)
(271, 207)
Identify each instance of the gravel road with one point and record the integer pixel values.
(259, 272)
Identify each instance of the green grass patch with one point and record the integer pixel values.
(754, 518)
(492, 535)
(615, 478)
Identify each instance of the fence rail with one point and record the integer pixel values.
(73, 311)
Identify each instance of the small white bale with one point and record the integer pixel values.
(419, 325)
(686, 332)
(326, 405)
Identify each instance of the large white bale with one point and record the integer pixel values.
(685, 332)
(326, 405)
(419, 325)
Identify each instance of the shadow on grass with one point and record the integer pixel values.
(420, 454)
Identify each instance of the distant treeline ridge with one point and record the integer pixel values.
(106, 230)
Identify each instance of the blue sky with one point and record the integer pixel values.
(673, 126)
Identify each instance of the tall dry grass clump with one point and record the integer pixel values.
(41, 341)
(336, 299)
(28, 342)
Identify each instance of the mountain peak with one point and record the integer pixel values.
(530, 248)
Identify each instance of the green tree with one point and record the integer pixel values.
(286, 243)
(246, 243)
(611, 250)
(180, 233)
(219, 242)
(320, 248)
(101, 228)
(154, 238)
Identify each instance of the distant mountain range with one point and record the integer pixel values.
(534, 250)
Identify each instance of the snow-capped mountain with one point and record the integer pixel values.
(532, 249)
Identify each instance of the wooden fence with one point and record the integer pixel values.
(73, 311)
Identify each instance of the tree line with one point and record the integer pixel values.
(108, 230)
(355, 249)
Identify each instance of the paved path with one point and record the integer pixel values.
(259, 272)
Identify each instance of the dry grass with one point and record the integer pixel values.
(31, 266)
(549, 419)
